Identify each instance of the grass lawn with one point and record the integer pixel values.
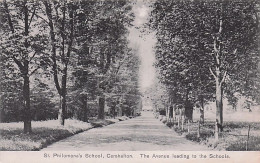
(44, 133)
(234, 136)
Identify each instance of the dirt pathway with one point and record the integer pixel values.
(144, 133)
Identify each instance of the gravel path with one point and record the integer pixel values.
(144, 133)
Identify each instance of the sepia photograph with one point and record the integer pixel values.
(130, 80)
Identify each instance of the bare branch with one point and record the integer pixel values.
(19, 64)
(41, 18)
(34, 70)
(212, 73)
(220, 26)
(8, 17)
(224, 77)
(33, 13)
(32, 56)
(235, 51)
(215, 45)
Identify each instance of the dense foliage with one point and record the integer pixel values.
(207, 50)
(62, 59)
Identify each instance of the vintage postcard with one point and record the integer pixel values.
(130, 81)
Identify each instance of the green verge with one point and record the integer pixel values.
(44, 133)
(233, 138)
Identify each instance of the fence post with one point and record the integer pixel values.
(173, 121)
(247, 137)
(178, 121)
(182, 123)
(188, 126)
(216, 131)
(198, 135)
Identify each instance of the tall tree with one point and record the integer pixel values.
(61, 17)
(101, 43)
(223, 34)
(23, 42)
(108, 42)
(177, 59)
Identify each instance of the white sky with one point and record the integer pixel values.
(145, 44)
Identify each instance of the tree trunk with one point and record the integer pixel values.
(188, 107)
(114, 112)
(26, 99)
(202, 110)
(25, 73)
(234, 107)
(171, 114)
(188, 110)
(219, 76)
(62, 110)
(101, 111)
(85, 109)
(219, 103)
(167, 114)
(119, 114)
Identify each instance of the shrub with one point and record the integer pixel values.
(162, 112)
(170, 124)
(43, 109)
(164, 121)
